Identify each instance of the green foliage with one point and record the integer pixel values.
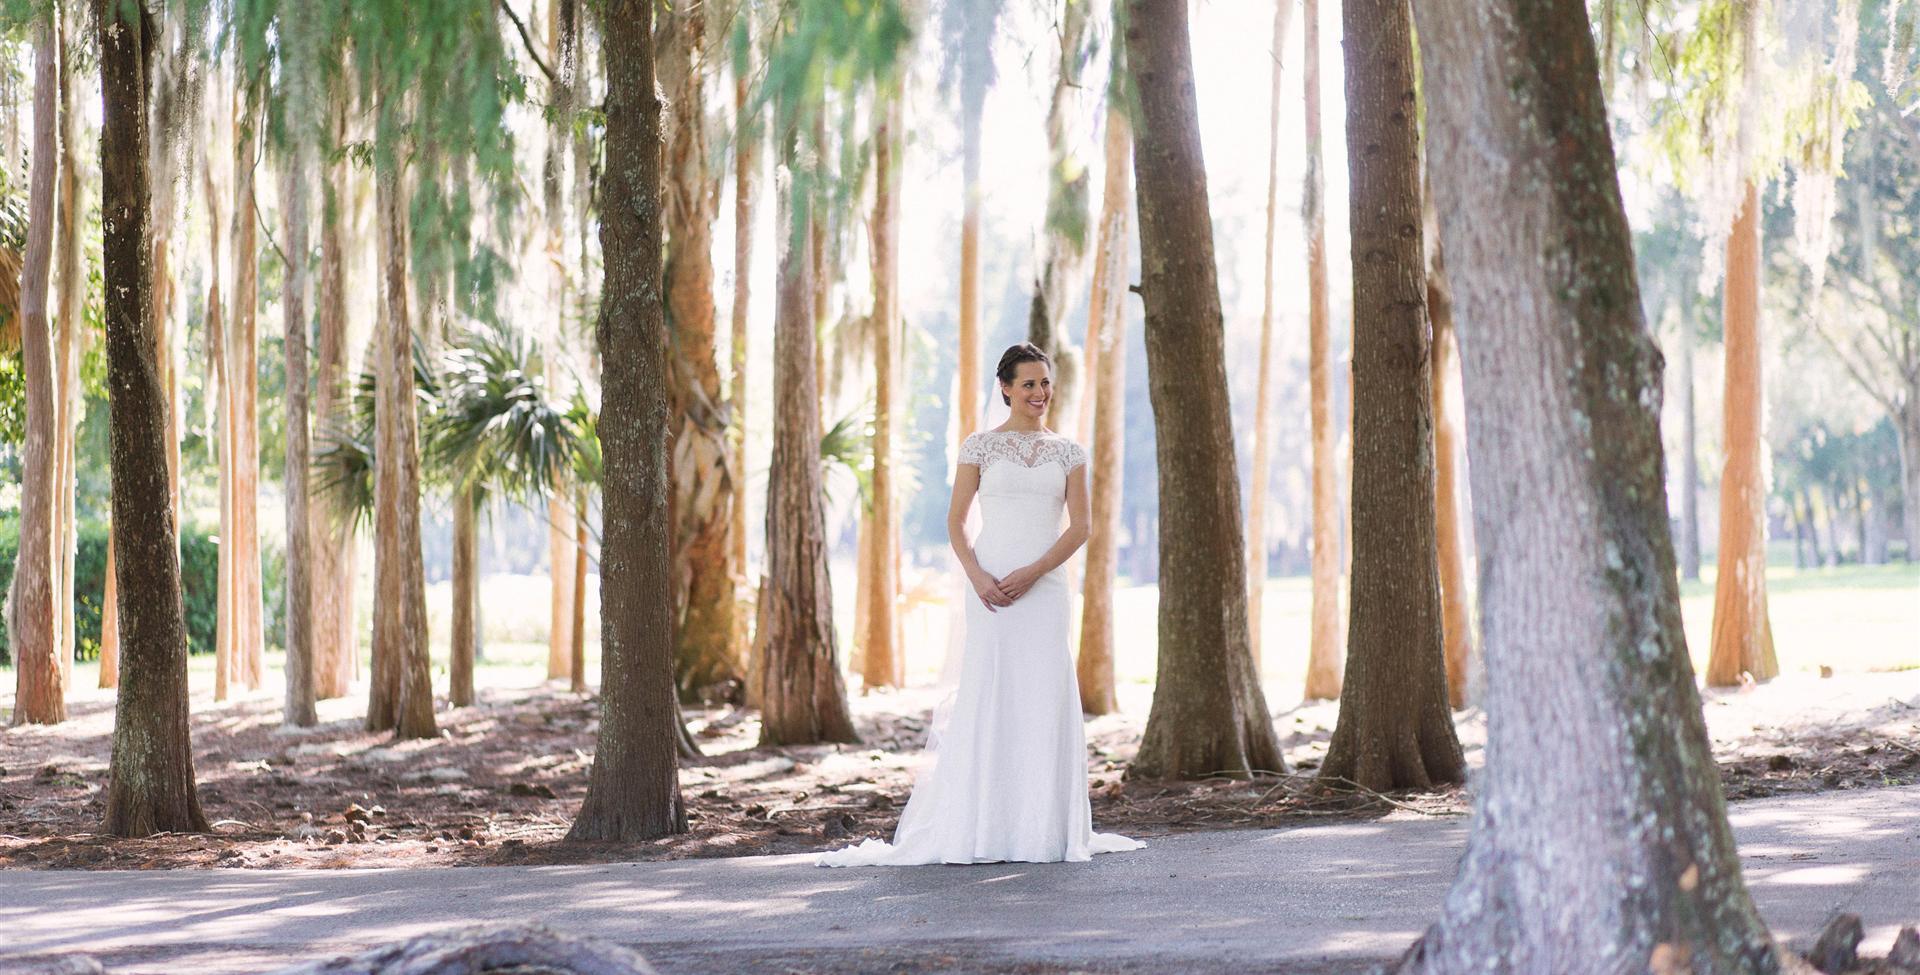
(343, 455)
(497, 427)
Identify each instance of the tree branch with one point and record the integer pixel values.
(526, 38)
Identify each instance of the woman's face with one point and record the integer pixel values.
(1031, 390)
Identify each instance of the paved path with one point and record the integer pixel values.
(1315, 899)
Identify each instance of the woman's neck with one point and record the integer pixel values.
(1022, 424)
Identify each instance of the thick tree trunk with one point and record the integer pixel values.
(883, 664)
(1689, 462)
(1600, 796)
(633, 792)
(1395, 730)
(150, 786)
(1456, 622)
(401, 677)
(1107, 352)
(1742, 632)
(1209, 715)
(33, 627)
(746, 168)
(249, 654)
(466, 599)
(300, 661)
(335, 643)
(70, 288)
(703, 477)
(1327, 635)
(1263, 396)
(803, 698)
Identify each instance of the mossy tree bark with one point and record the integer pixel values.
(150, 787)
(1600, 794)
(1209, 716)
(633, 790)
(1395, 730)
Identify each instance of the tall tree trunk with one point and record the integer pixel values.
(803, 698)
(40, 682)
(400, 603)
(110, 613)
(703, 477)
(242, 336)
(1327, 636)
(563, 52)
(1066, 218)
(150, 785)
(1395, 730)
(1456, 623)
(1107, 352)
(1263, 396)
(335, 645)
(883, 665)
(1689, 460)
(70, 289)
(224, 640)
(1742, 632)
(633, 791)
(577, 653)
(1908, 428)
(976, 74)
(1600, 794)
(1209, 715)
(746, 170)
(300, 662)
(466, 599)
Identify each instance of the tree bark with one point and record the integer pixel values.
(1107, 361)
(883, 665)
(300, 662)
(150, 788)
(633, 792)
(70, 288)
(976, 73)
(40, 681)
(1742, 632)
(1327, 635)
(1065, 222)
(746, 162)
(1209, 716)
(577, 670)
(1689, 461)
(1600, 795)
(223, 408)
(1456, 622)
(466, 599)
(336, 646)
(1395, 730)
(803, 698)
(403, 697)
(1263, 395)
(702, 473)
(1908, 429)
(563, 52)
(242, 338)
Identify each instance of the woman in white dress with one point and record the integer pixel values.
(1009, 775)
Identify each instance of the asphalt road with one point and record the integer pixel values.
(1334, 898)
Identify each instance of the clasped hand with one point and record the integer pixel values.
(995, 593)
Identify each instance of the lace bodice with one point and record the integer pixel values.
(1025, 448)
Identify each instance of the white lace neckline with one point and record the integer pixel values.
(1027, 448)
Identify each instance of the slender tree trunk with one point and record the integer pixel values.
(1209, 715)
(1066, 218)
(703, 477)
(633, 791)
(224, 640)
(1328, 638)
(1263, 397)
(1456, 622)
(562, 29)
(976, 72)
(577, 673)
(40, 682)
(334, 641)
(110, 615)
(1605, 802)
(1798, 504)
(746, 161)
(466, 599)
(300, 661)
(1395, 730)
(1742, 632)
(1107, 350)
(150, 786)
(400, 604)
(822, 274)
(883, 665)
(248, 651)
(70, 288)
(1689, 461)
(803, 698)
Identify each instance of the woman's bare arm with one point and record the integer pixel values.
(966, 483)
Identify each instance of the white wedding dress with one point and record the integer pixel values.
(1009, 774)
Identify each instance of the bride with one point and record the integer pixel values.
(1009, 779)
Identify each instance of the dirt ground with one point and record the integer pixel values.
(499, 785)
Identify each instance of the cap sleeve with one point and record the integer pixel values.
(1076, 456)
(970, 452)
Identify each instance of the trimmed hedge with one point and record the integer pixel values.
(199, 580)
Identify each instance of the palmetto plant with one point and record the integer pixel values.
(497, 427)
